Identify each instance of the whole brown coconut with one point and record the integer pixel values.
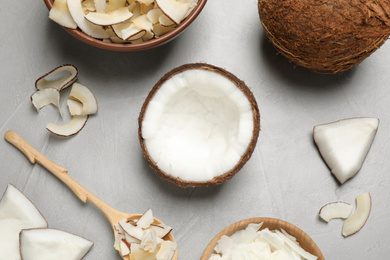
(327, 36)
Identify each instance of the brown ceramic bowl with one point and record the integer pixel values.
(118, 47)
(303, 239)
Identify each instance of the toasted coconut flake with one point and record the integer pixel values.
(165, 21)
(119, 15)
(160, 30)
(359, 217)
(143, 22)
(154, 15)
(176, 10)
(53, 78)
(146, 2)
(88, 6)
(60, 14)
(100, 5)
(76, 10)
(115, 4)
(73, 127)
(46, 97)
(128, 31)
(85, 96)
(75, 107)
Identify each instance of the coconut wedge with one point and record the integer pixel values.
(344, 144)
(59, 78)
(335, 210)
(199, 125)
(48, 244)
(60, 14)
(359, 217)
(73, 127)
(46, 97)
(119, 15)
(17, 212)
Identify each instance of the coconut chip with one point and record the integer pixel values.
(59, 78)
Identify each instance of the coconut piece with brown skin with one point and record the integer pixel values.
(199, 125)
(328, 36)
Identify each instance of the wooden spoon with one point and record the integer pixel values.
(113, 215)
(304, 240)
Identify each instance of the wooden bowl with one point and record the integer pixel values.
(271, 223)
(127, 47)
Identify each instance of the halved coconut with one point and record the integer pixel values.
(48, 244)
(199, 125)
(17, 212)
(344, 144)
(359, 218)
(58, 78)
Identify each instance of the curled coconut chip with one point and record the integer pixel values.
(142, 239)
(81, 101)
(359, 218)
(198, 115)
(344, 144)
(98, 20)
(335, 210)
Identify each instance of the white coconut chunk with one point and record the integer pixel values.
(60, 14)
(145, 220)
(118, 240)
(85, 96)
(196, 117)
(359, 218)
(74, 106)
(131, 239)
(17, 212)
(176, 10)
(46, 97)
(119, 15)
(73, 127)
(131, 230)
(48, 244)
(345, 144)
(335, 210)
(78, 15)
(59, 78)
(124, 248)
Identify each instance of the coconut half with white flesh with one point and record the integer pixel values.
(48, 244)
(17, 212)
(199, 125)
(344, 144)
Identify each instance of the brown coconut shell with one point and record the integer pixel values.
(244, 158)
(326, 36)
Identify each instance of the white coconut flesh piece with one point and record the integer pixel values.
(48, 244)
(85, 96)
(59, 78)
(197, 125)
(119, 15)
(344, 144)
(17, 212)
(154, 15)
(359, 218)
(100, 5)
(74, 106)
(142, 239)
(253, 243)
(88, 6)
(143, 22)
(160, 30)
(128, 31)
(115, 4)
(176, 10)
(60, 14)
(46, 97)
(71, 128)
(335, 210)
(78, 15)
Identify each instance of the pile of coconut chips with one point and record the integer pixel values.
(122, 21)
(256, 243)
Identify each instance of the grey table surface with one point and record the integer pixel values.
(285, 178)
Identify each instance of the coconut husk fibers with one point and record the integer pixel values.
(327, 36)
(244, 158)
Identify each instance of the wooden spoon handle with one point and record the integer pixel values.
(61, 173)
